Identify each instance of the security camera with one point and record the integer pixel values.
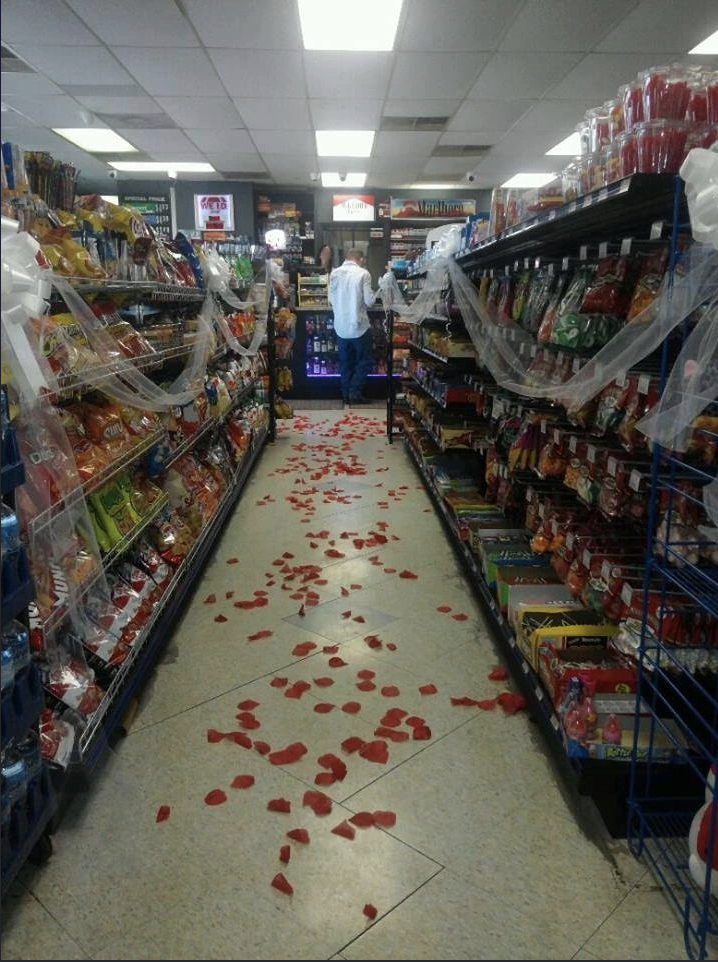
(314, 176)
(470, 178)
(342, 177)
(112, 174)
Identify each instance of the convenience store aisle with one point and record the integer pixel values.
(331, 573)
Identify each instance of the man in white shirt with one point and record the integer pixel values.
(350, 295)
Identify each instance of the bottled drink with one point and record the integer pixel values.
(7, 670)
(612, 734)
(29, 750)
(9, 530)
(14, 777)
(16, 638)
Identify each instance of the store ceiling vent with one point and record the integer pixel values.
(413, 123)
(460, 150)
(245, 175)
(11, 63)
(158, 121)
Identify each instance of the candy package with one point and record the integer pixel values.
(652, 270)
(611, 287)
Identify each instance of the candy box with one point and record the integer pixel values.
(608, 673)
(661, 744)
(533, 586)
(564, 630)
(509, 554)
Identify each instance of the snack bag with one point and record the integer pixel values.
(114, 510)
(105, 428)
(610, 289)
(130, 341)
(89, 458)
(651, 272)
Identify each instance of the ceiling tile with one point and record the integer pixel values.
(12, 119)
(131, 23)
(28, 85)
(53, 111)
(434, 75)
(512, 76)
(246, 24)
(263, 113)
(277, 141)
(163, 144)
(104, 90)
(233, 160)
(449, 165)
(43, 21)
(420, 108)
(247, 74)
(555, 116)
(350, 115)
(342, 75)
(121, 105)
(482, 138)
(456, 25)
(222, 138)
(163, 73)
(647, 26)
(564, 24)
(414, 143)
(477, 115)
(89, 62)
(40, 138)
(598, 75)
(201, 112)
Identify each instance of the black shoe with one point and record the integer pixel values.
(360, 400)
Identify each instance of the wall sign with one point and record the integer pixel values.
(155, 210)
(353, 207)
(214, 211)
(428, 208)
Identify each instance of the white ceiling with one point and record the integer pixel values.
(227, 81)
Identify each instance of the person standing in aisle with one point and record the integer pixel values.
(350, 295)
(325, 258)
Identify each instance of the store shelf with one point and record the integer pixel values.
(444, 358)
(42, 806)
(134, 670)
(156, 292)
(91, 377)
(629, 205)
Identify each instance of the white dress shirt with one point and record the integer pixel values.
(350, 295)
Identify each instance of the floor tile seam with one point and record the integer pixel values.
(61, 924)
(394, 907)
(600, 925)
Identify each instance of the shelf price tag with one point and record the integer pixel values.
(573, 444)
(603, 248)
(544, 426)
(603, 193)
(556, 436)
(551, 215)
(583, 251)
(626, 594)
(576, 365)
(606, 571)
(572, 207)
(591, 453)
(541, 510)
(588, 200)
(626, 244)
(570, 540)
(554, 526)
(620, 379)
(586, 558)
(656, 230)
(634, 480)
(612, 466)
(644, 383)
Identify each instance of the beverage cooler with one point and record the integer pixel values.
(315, 360)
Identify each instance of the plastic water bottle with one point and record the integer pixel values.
(29, 750)
(7, 670)
(9, 530)
(15, 636)
(15, 778)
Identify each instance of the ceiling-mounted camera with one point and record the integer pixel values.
(470, 177)
(112, 174)
(342, 177)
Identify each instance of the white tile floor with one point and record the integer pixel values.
(486, 859)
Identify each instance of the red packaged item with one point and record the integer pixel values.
(130, 341)
(712, 99)
(697, 109)
(641, 398)
(90, 459)
(105, 427)
(661, 145)
(632, 104)
(665, 93)
(627, 154)
(610, 289)
(603, 671)
(616, 116)
(74, 685)
(506, 300)
(57, 739)
(651, 272)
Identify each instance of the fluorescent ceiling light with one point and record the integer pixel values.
(344, 25)
(529, 180)
(97, 140)
(708, 46)
(344, 143)
(568, 147)
(442, 186)
(345, 180)
(111, 198)
(162, 167)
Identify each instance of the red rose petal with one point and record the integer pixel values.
(239, 738)
(415, 721)
(321, 581)
(351, 707)
(336, 662)
(444, 609)
(362, 820)
(352, 744)
(303, 649)
(390, 691)
(346, 614)
(360, 619)
(243, 781)
(407, 574)
(220, 619)
(325, 778)
(429, 689)
(324, 707)
(260, 593)
(391, 646)
(319, 803)
(373, 642)
(300, 835)
(460, 617)
(214, 736)
(297, 689)
(215, 797)
(232, 561)
(344, 830)
(422, 733)
(333, 553)
(210, 599)
(278, 682)
(297, 596)
(286, 756)
(163, 813)
(288, 555)
(345, 592)
(355, 587)
(366, 685)
(279, 805)
(385, 819)
(366, 673)
(511, 703)
(323, 682)
(258, 635)
(498, 674)
(262, 747)
(377, 751)
(247, 720)
(370, 911)
(389, 571)
(330, 649)
(464, 701)
(285, 853)
(281, 884)
(228, 595)
(487, 704)
(248, 705)
(391, 733)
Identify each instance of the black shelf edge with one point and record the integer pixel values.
(12, 476)
(14, 603)
(33, 836)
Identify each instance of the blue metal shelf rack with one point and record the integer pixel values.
(680, 687)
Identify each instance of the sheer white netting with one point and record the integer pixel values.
(217, 277)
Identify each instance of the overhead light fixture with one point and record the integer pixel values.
(341, 25)
(529, 180)
(96, 140)
(162, 167)
(443, 186)
(568, 147)
(707, 47)
(344, 143)
(343, 180)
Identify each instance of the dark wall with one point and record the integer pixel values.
(323, 198)
(243, 194)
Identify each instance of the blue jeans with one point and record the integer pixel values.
(356, 361)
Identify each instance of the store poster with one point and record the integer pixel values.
(155, 210)
(428, 208)
(214, 212)
(353, 207)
